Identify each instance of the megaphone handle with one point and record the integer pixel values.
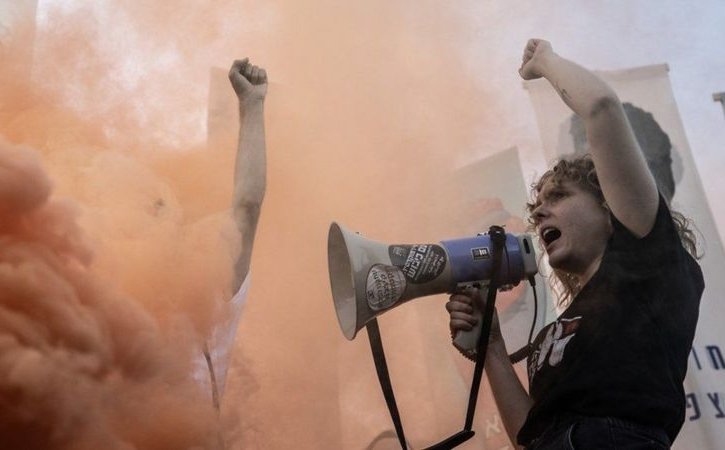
(467, 341)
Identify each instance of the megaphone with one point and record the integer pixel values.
(368, 277)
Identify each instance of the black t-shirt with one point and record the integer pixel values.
(620, 349)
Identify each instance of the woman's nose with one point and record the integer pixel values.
(540, 212)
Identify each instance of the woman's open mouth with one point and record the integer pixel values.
(549, 235)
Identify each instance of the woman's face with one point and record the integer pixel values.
(573, 227)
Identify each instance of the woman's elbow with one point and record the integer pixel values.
(605, 105)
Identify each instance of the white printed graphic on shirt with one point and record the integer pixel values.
(553, 345)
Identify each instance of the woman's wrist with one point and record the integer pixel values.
(545, 62)
(496, 348)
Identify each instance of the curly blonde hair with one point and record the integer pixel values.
(580, 170)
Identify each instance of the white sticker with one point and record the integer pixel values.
(385, 286)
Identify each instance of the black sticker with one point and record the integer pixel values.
(420, 263)
(480, 253)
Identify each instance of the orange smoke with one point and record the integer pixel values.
(105, 298)
(79, 360)
(362, 128)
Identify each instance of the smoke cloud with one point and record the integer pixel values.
(107, 283)
(369, 111)
(79, 360)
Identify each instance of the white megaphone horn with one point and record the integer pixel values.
(369, 278)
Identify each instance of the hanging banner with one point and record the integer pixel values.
(493, 191)
(431, 379)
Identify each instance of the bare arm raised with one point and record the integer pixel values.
(250, 85)
(628, 186)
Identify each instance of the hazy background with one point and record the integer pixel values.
(371, 107)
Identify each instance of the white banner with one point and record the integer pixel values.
(493, 191)
(431, 379)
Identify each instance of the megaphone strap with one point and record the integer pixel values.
(498, 238)
(381, 366)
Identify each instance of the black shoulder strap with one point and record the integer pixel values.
(498, 238)
(381, 366)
